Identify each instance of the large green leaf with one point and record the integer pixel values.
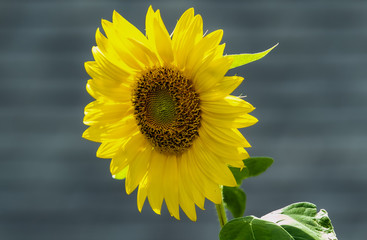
(252, 228)
(245, 58)
(303, 222)
(254, 166)
(235, 200)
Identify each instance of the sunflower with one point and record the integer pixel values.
(163, 112)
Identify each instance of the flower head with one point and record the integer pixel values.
(163, 111)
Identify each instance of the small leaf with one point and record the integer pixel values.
(235, 200)
(252, 228)
(239, 174)
(257, 165)
(245, 58)
(254, 166)
(303, 222)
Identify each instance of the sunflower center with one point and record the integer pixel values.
(161, 107)
(167, 109)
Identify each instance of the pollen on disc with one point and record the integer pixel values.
(167, 109)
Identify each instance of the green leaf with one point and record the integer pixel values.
(303, 222)
(239, 174)
(235, 200)
(254, 166)
(245, 58)
(252, 228)
(257, 165)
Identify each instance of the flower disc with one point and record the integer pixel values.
(167, 109)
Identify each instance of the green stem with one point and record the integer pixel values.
(222, 217)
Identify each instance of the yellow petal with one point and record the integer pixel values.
(114, 131)
(129, 152)
(223, 88)
(225, 152)
(142, 192)
(137, 169)
(109, 149)
(212, 190)
(208, 76)
(212, 166)
(227, 136)
(186, 202)
(109, 66)
(238, 163)
(179, 35)
(121, 175)
(103, 43)
(220, 120)
(149, 21)
(171, 186)
(162, 40)
(97, 73)
(220, 50)
(110, 51)
(98, 91)
(126, 29)
(230, 106)
(149, 28)
(101, 113)
(186, 41)
(202, 49)
(155, 173)
(192, 183)
(228, 84)
(182, 25)
(120, 44)
(143, 53)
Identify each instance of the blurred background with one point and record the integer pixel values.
(310, 94)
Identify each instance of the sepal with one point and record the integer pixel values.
(245, 58)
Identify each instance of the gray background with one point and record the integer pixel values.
(310, 95)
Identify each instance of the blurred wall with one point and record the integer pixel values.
(310, 94)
